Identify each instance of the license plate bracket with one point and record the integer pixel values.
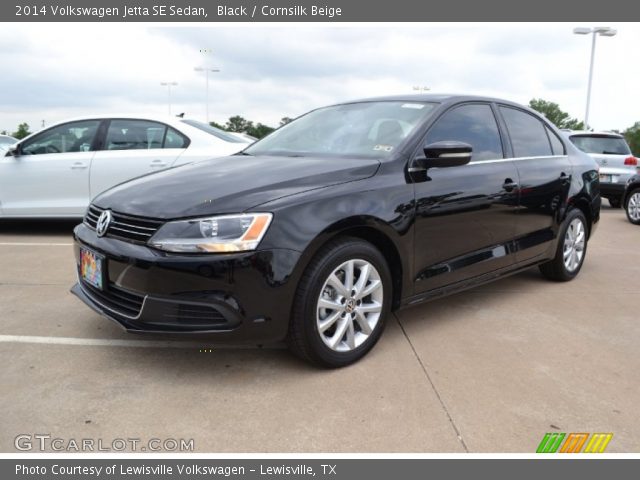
(606, 178)
(92, 268)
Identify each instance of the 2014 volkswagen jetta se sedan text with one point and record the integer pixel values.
(316, 233)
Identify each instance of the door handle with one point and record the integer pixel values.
(157, 164)
(78, 166)
(509, 185)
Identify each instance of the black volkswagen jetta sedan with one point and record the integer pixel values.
(315, 233)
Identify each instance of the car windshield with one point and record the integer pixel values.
(366, 129)
(603, 144)
(216, 132)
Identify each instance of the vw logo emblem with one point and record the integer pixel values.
(104, 220)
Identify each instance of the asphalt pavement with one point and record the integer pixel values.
(487, 370)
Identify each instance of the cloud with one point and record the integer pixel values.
(54, 71)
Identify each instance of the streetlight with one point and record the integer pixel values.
(169, 85)
(595, 31)
(206, 70)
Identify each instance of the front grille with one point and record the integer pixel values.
(129, 227)
(115, 299)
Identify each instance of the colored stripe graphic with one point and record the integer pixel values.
(598, 442)
(574, 443)
(550, 443)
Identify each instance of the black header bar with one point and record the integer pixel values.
(317, 11)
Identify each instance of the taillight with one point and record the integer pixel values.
(631, 161)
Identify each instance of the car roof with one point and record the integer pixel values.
(126, 116)
(173, 121)
(437, 97)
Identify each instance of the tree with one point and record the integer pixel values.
(23, 131)
(632, 135)
(260, 130)
(555, 115)
(238, 124)
(285, 120)
(4, 132)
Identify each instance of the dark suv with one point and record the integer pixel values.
(315, 233)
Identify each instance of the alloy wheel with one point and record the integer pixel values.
(633, 207)
(350, 305)
(574, 243)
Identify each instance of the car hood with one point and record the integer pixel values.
(229, 184)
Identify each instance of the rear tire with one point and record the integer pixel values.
(571, 251)
(632, 206)
(615, 202)
(341, 304)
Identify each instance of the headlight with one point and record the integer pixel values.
(226, 233)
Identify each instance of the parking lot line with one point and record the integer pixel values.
(107, 342)
(100, 342)
(34, 244)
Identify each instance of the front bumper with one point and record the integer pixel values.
(235, 298)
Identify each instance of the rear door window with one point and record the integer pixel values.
(556, 144)
(135, 135)
(174, 139)
(527, 133)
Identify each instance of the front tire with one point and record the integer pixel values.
(633, 206)
(571, 251)
(341, 304)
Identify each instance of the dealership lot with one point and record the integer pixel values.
(487, 370)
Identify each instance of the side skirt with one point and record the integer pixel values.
(471, 282)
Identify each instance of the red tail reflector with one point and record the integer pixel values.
(631, 161)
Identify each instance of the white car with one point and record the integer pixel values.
(57, 171)
(613, 155)
(244, 137)
(5, 142)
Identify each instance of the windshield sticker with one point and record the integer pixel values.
(384, 148)
(417, 106)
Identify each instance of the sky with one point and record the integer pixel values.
(55, 71)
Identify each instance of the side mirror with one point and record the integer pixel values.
(14, 150)
(445, 154)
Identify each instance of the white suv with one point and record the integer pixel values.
(613, 155)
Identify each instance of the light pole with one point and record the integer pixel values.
(169, 85)
(595, 31)
(206, 71)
